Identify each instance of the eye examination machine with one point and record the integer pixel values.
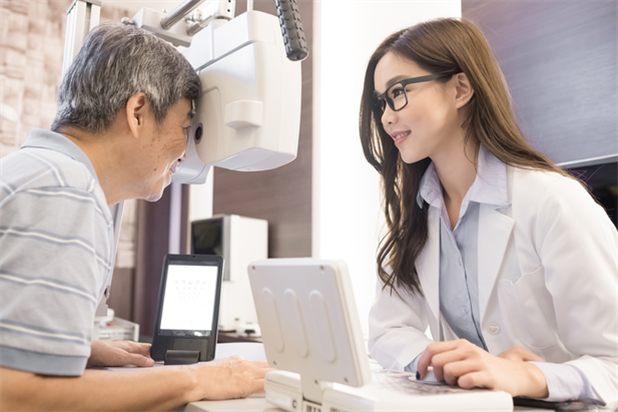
(247, 117)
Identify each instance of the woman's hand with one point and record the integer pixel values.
(119, 353)
(461, 363)
(517, 353)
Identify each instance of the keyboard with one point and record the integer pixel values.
(406, 382)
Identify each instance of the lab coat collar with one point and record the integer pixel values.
(428, 266)
(493, 237)
(46, 139)
(493, 192)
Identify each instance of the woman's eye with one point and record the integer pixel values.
(396, 92)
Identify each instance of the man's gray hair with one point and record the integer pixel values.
(116, 62)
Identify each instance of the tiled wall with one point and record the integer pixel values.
(31, 49)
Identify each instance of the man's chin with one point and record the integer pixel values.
(154, 197)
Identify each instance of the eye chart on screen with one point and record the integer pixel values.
(189, 301)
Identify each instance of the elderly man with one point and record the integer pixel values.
(120, 132)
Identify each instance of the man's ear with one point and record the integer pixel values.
(464, 90)
(137, 109)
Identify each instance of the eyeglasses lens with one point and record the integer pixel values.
(397, 97)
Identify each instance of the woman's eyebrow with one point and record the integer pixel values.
(391, 82)
(395, 80)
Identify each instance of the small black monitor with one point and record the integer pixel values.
(188, 306)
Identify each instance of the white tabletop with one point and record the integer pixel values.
(257, 403)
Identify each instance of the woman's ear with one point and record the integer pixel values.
(137, 109)
(464, 90)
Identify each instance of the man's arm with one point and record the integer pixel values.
(151, 389)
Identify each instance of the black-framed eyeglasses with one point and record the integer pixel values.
(396, 96)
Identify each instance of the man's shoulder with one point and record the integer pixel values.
(35, 168)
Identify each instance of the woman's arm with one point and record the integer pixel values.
(397, 328)
(578, 248)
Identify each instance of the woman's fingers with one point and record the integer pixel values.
(443, 359)
(430, 351)
(453, 371)
(479, 379)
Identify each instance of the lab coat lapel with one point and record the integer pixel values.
(428, 265)
(494, 232)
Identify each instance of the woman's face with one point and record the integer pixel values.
(428, 125)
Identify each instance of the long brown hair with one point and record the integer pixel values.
(438, 46)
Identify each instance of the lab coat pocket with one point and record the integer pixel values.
(529, 306)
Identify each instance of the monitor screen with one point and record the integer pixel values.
(207, 237)
(189, 299)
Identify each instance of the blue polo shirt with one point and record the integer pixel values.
(56, 255)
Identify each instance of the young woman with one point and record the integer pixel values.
(508, 260)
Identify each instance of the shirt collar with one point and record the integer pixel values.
(46, 139)
(490, 185)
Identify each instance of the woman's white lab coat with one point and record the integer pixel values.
(547, 278)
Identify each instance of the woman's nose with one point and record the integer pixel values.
(388, 116)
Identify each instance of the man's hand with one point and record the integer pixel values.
(466, 365)
(231, 378)
(119, 353)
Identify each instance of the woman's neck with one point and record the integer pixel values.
(457, 172)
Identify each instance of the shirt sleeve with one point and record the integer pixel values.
(567, 383)
(413, 366)
(55, 258)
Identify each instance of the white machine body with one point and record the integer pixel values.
(248, 113)
(246, 239)
(249, 109)
(311, 333)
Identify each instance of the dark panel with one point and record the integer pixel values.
(151, 248)
(281, 196)
(121, 297)
(559, 59)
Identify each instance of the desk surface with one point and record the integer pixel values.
(257, 403)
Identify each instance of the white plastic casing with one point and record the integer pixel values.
(249, 108)
(309, 323)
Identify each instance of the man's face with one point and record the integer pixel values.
(165, 150)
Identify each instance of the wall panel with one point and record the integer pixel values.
(560, 62)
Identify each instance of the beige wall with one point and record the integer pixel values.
(31, 51)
